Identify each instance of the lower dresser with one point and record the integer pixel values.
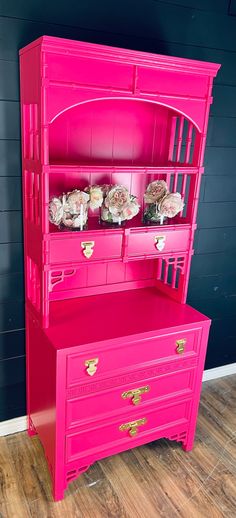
(91, 400)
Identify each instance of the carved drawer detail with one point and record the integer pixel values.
(117, 399)
(137, 354)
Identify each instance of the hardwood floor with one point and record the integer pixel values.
(159, 479)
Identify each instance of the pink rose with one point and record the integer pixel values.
(171, 205)
(119, 205)
(95, 196)
(131, 210)
(155, 191)
(55, 211)
(74, 200)
(117, 197)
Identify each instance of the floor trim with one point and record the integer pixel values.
(19, 424)
(219, 372)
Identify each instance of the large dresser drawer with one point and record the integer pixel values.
(149, 242)
(125, 431)
(104, 403)
(119, 357)
(83, 247)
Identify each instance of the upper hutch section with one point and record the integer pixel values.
(96, 105)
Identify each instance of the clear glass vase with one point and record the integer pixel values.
(151, 214)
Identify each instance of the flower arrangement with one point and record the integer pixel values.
(160, 203)
(70, 209)
(119, 205)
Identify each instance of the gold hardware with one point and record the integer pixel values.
(135, 394)
(91, 366)
(132, 427)
(87, 247)
(180, 345)
(160, 242)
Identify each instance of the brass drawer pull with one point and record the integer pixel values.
(160, 242)
(135, 394)
(88, 248)
(180, 345)
(132, 427)
(91, 366)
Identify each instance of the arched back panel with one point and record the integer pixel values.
(122, 132)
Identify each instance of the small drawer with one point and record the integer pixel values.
(85, 247)
(149, 242)
(89, 71)
(125, 431)
(115, 358)
(103, 403)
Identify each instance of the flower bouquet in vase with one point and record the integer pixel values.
(118, 205)
(69, 210)
(160, 204)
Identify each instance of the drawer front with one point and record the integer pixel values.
(167, 82)
(108, 361)
(88, 72)
(128, 397)
(154, 242)
(126, 430)
(85, 248)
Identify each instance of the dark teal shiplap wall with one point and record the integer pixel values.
(198, 29)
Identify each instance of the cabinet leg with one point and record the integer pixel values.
(188, 443)
(58, 492)
(31, 429)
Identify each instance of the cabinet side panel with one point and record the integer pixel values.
(41, 387)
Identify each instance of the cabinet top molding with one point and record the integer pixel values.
(104, 52)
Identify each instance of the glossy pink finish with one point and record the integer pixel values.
(88, 409)
(96, 114)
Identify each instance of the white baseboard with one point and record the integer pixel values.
(19, 424)
(219, 372)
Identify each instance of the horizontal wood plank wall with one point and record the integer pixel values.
(197, 29)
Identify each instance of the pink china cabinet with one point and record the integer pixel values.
(115, 356)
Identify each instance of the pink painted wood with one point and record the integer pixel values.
(97, 114)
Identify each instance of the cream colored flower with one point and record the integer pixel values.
(119, 205)
(171, 205)
(55, 211)
(131, 210)
(96, 196)
(74, 200)
(155, 191)
(117, 197)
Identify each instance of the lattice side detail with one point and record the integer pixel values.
(33, 283)
(32, 195)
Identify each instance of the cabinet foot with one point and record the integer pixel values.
(31, 429)
(58, 493)
(188, 444)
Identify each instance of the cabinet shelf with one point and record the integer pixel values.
(134, 224)
(148, 309)
(129, 168)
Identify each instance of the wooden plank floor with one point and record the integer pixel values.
(159, 479)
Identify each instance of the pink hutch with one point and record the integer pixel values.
(114, 354)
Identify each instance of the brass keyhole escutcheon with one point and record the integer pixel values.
(91, 366)
(160, 242)
(88, 248)
(132, 427)
(135, 394)
(180, 345)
